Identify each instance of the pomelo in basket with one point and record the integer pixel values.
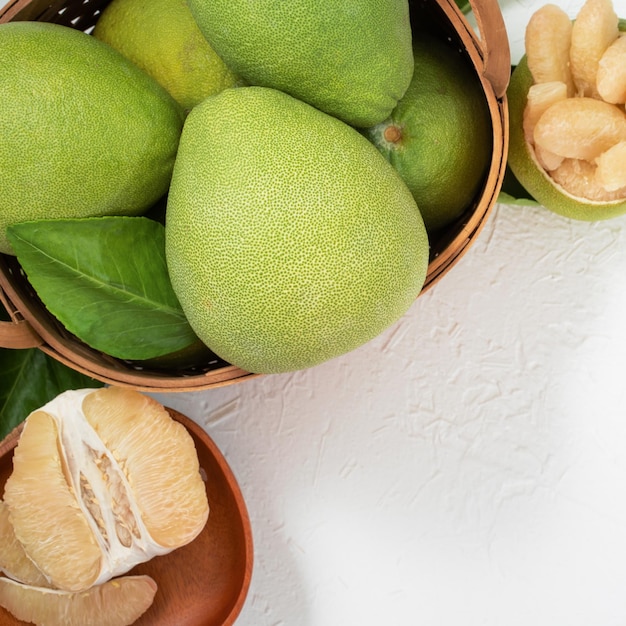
(84, 131)
(103, 480)
(439, 135)
(351, 58)
(118, 602)
(163, 39)
(566, 106)
(289, 238)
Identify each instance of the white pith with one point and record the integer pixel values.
(79, 447)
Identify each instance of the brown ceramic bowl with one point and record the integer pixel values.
(205, 582)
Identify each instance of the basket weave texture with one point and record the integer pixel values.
(32, 325)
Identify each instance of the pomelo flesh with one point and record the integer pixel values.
(118, 602)
(14, 561)
(103, 480)
(567, 153)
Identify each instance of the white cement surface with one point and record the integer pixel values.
(466, 467)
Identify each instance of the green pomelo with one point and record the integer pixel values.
(439, 136)
(532, 176)
(351, 59)
(84, 131)
(163, 39)
(289, 238)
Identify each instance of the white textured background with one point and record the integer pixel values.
(465, 468)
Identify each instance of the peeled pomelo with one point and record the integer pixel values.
(102, 480)
(289, 238)
(571, 188)
(118, 602)
(14, 561)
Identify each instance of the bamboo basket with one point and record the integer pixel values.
(32, 326)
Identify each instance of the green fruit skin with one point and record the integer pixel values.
(444, 88)
(289, 238)
(349, 58)
(162, 38)
(84, 132)
(532, 177)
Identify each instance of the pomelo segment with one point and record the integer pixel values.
(541, 96)
(44, 510)
(611, 168)
(159, 460)
(580, 128)
(548, 38)
(611, 76)
(580, 178)
(118, 602)
(14, 561)
(594, 30)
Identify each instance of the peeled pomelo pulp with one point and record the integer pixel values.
(102, 480)
(566, 143)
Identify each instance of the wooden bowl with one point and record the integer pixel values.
(204, 583)
(33, 326)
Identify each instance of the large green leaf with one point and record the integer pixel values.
(30, 378)
(105, 279)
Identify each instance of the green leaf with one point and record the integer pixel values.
(464, 5)
(105, 279)
(30, 378)
(513, 192)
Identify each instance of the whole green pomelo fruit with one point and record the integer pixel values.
(349, 58)
(439, 136)
(289, 238)
(84, 131)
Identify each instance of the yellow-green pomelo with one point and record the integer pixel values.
(84, 131)
(163, 39)
(349, 58)
(289, 238)
(439, 136)
(532, 176)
